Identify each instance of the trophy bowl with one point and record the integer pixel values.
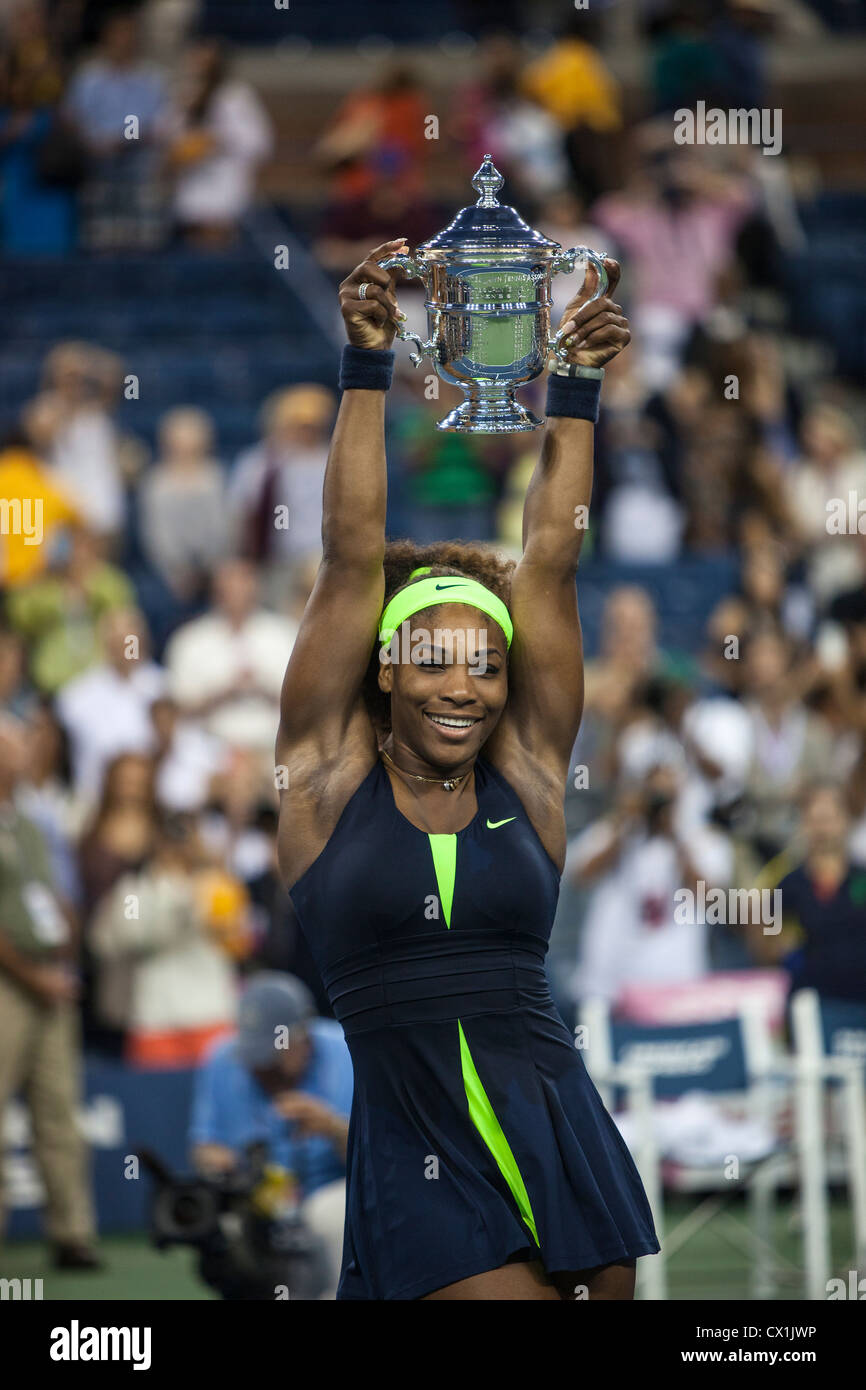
(487, 280)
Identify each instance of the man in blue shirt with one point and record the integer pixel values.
(822, 943)
(285, 1079)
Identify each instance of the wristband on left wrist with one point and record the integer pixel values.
(573, 397)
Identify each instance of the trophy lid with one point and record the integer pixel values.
(488, 224)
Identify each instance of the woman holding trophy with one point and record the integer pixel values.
(428, 716)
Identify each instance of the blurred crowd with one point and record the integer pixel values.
(103, 149)
(145, 636)
(145, 633)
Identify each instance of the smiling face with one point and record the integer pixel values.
(448, 684)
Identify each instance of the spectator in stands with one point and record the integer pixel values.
(676, 222)
(70, 426)
(628, 648)
(224, 668)
(182, 504)
(772, 600)
(58, 616)
(120, 834)
(219, 134)
(720, 666)
(685, 64)
(716, 461)
(275, 489)
(30, 52)
(377, 138)
(823, 938)
(638, 858)
(279, 942)
(496, 115)
(241, 792)
(285, 1080)
(571, 81)
(497, 58)
(15, 696)
(39, 1034)
(180, 991)
(26, 549)
(106, 710)
(188, 758)
(347, 230)
(118, 105)
(40, 163)
(451, 479)
(791, 745)
(637, 509)
(375, 151)
(628, 655)
(652, 732)
(831, 468)
(46, 797)
(564, 218)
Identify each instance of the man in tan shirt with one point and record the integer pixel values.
(39, 1037)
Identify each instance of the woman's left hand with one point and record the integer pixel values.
(594, 332)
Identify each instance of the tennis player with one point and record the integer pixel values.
(428, 715)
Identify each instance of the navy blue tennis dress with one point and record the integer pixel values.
(476, 1135)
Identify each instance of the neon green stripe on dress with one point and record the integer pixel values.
(444, 850)
(483, 1116)
(481, 1112)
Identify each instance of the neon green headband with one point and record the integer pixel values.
(442, 588)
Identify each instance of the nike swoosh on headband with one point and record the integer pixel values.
(421, 593)
(495, 824)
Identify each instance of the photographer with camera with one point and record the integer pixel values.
(284, 1081)
(636, 860)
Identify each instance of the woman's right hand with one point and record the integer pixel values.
(372, 322)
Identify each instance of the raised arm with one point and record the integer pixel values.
(321, 689)
(545, 700)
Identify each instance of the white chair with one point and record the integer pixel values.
(829, 1039)
(731, 1059)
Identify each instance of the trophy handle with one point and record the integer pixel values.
(414, 270)
(565, 262)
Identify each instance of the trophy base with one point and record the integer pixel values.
(486, 413)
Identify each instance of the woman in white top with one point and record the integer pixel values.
(221, 133)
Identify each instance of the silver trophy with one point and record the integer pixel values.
(487, 278)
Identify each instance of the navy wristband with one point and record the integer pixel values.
(366, 369)
(575, 397)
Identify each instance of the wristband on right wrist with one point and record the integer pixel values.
(366, 369)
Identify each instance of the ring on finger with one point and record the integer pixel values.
(363, 288)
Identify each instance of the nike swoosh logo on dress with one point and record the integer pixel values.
(495, 824)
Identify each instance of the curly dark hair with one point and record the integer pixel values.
(492, 570)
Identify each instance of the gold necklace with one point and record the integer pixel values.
(449, 783)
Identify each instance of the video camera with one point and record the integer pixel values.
(249, 1247)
